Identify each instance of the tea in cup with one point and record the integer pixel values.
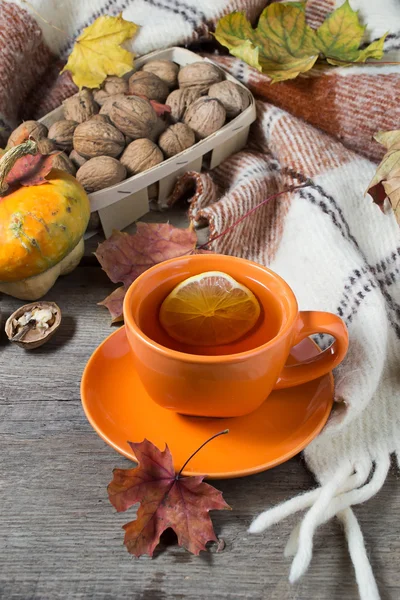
(232, 379)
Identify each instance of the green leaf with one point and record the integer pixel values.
(235, 32)
(282, 45)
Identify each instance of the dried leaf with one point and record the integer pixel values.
(283, 45)
(340, 35)
(97, 51)
(124, 256)
(114, 302)
(386, 181)
(31, 169)
(166, 500)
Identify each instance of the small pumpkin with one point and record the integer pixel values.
(41, 228)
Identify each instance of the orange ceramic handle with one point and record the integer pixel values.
(310, 322)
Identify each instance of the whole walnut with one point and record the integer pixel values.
(108, 102)
(147, 84)
(100, 172)
(179, 100)
(80, 107)
(115, 85)
(134, 116)
(233, 97)
(61, 134)
(46, 146)
(200, 75)
(141, 155)
(62, 162)
(98, 138)
(205, 116)
(100, 96)
(34, 129)
(101, 118)
(165, 70)
(76, 159)
(175, 139)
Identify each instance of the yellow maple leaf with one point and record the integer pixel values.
(97, 51)
(386, 181)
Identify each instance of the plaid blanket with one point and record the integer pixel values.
(337, 250)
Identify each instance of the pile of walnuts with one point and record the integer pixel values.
(115, 132)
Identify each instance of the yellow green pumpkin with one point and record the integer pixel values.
(41, 231)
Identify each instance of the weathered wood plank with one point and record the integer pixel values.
(61, 539)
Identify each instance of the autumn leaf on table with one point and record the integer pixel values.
(283, 45)
(166, 500)
(386, 181)
(124, 256)
(97, 51)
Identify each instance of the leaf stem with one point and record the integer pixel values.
(249, 212)
(202, 446)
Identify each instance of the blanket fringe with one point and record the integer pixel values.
(348, 487)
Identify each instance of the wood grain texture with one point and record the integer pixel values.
(60, 539)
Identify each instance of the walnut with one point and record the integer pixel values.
(175, 139)
(76, 159)
(141, 155)
(205, 116)
(115, 85)
(100, 96)
(80, 107)
(159, 127)
(62, 162)
(101, 118)
(46, 146)
(134, 116)
(61, 134)
(165, 70)
(100, 172)
(35, 130)
(233, 97)
(200, 75)
(107, 104)
(147, 84)
(179, 100)
(98, 138)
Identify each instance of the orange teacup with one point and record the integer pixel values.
(224, 381)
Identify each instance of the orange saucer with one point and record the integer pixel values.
(119, 409)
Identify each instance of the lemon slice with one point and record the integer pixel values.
(209, 309)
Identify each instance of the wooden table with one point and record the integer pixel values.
(60, 538)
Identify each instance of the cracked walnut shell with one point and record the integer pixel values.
(205, 116)
(98, 138)
(175, 139)
(147, 84)
(141, 155)
(100, 172)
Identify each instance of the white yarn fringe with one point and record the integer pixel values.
(346, 488)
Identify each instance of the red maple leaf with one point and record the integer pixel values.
(124, 256)
(31, 169)
(166, 500)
